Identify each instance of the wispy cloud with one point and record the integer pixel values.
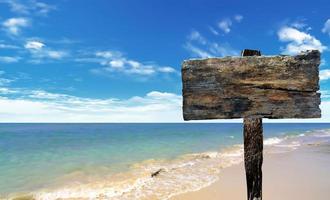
(226, 23)
(110, 61)
(16, 7)
(114, 61)
(238, 18)
(34, 45)
(41, 106)
(325, 109)
(167, 70)
(41, 7)
(196, 36)
(215, 32)
(323, 63)
(325, 94)
(9, 59)
(8, 46)
(28, 7)
(40, 51)
(13, 26)
(324, 74)
(4, 81)
(199, 46)
(298, 40)
(299, 24)
(197, 51)
(326, 27)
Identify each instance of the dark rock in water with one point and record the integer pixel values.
(253, 86)
(156, 173)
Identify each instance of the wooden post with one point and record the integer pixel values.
(252, 87)
(253, 149)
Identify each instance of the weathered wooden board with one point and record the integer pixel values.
(256, 86)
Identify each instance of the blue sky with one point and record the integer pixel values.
(115, 60)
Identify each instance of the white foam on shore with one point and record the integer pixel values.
(186, 173)
(292, 145)
(272, 141)
(322, 133)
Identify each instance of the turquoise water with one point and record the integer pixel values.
(33, 156)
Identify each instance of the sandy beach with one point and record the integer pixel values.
(296, 164)
(301, 174)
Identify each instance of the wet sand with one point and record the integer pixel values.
(295, 167)
(302, 174)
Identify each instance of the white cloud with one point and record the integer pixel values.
(8, 46)
(9, 59)
(300, 24)
(325, 94)
(326, 27)
(41, 7)
(39, 51)
(225, 25)
(324, 74)
(222, 50)
(238, 18)
(14, 25)
(215, 32)
(16, 6)
(197, 51)
(47, 55)
(55, 54)
(29, 7)
(4, 81)
(166, 69)
(41, 106)
(201, 47)
(298, 41)
(36, 45)
(323, 63)
(6, 91)
(325, 110)
(195, 35)
(18, 105)
(162, 95)
(108, 54)
(115, 62)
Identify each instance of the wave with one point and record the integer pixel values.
(162, 179)
(272, 141)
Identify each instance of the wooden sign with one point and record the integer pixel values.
(254, 86)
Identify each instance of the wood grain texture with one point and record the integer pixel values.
(253, 149)
(254, 86)
(253, 157)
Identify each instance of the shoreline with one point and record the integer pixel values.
(205, 175)
(300, 174)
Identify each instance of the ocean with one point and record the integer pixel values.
(115, 161)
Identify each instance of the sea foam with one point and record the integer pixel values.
(186, 173)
